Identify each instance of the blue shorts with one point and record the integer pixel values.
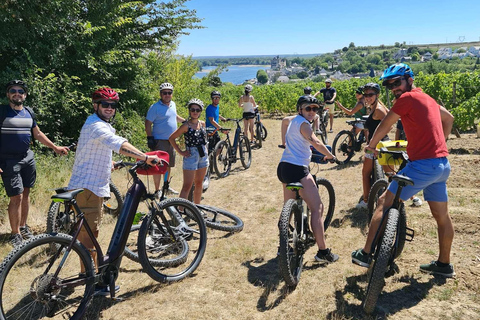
(194, 161)
(429, 175)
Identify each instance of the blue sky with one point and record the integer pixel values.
(247, 27)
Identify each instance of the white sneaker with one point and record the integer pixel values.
(362, 205)
(417, 202)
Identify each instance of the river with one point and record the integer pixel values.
(237, 74)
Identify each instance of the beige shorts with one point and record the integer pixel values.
(331, 108)
(92, 207)
(164, 145)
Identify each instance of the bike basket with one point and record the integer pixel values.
(318, 157)
(156, 169)
(387, 159)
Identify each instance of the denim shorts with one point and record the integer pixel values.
(194, 161)
(429, 175)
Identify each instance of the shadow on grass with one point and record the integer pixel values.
(388, 303)
(357, 218)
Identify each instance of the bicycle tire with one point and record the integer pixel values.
(323, 135)
(245, 152)
(381, 261)
(113, 204)
(402, 231)
(221, 159)
(258, 135)
(26, 287)
(377, 189)
(377, 171)
(177, 213)
(290, 258)
(343, 146)
(328, 199)
(264, 132)
(220, 219)
(57, 220)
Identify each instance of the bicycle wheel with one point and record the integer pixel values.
(258, 134)
(131, 248)
(402, 231)
(163, 236)
(220, 219)
(327, 195)
(221, 159)
(59, 218)
(264, 132)
(343, 146)
(382, 256)
(377, 171)
(290, 258)
(113, 204)
(323, 134)
(377, 189)
(245, 152)
(31, 290)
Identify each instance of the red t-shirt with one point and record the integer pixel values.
(422, 123)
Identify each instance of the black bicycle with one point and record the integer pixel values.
(53, 274)
(347, 142)
(322, 124)
(225, 153)
(260, 130)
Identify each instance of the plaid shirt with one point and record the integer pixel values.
(93, 158)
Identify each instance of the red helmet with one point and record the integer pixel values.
(105, 94)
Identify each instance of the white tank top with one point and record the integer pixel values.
(248, 107)
(297, 150)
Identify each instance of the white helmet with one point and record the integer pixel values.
(328, 80)
(248, 88)
(195, 101)
(166, 85)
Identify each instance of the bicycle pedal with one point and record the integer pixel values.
(409, 234)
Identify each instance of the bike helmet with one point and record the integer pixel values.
(105, 94)
(359, 90)
(19, 83)
(195, 101)
(307, 90)
(328, 80)
(306, 100)
(165, 86)
(372, 86)
(248, 88)
(397, 70)
(215, 94)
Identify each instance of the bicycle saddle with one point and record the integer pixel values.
(294, 186)
(66, 195)
(403, 180)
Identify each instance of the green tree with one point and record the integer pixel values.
(262, 76)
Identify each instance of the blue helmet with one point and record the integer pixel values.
(397, 70)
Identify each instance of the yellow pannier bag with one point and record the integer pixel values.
(388, 159)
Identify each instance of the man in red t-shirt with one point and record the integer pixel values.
(427, 126)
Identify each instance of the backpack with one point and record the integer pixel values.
(3, 115)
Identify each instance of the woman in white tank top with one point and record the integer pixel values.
(247, 102)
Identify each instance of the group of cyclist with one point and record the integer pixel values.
(426, 124)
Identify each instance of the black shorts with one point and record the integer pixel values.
(288, 173)
(18, 173)
(248, 115)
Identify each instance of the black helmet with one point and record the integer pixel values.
(307, 90)
(306, 100)
(372, 86)
(19, 83)
(215, 94)
(359, 90)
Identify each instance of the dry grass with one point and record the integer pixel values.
(238, 277)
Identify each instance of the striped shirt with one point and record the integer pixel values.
(15, 132)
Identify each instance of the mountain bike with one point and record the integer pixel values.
(296, 236)
(347, 142)
(322, 124)
(260, 130)
(226, 153)
(387, 245)
(53, 274)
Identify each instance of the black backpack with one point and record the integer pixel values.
(3, 115)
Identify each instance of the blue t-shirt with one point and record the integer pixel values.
(164, 119)
(16, 132)
(213, 112)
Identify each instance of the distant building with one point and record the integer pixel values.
(283, 79)
(278, 63)
(427, 56)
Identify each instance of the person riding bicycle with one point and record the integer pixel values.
(93, 163)
(293, 167)
(427, 126)
(212, 115)
(247, 102)
(195, 156)
(359, 110)
(378, 112)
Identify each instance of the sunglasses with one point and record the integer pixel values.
(167, 93)
(195, 110)
(394, 84)
(314, 109)
(106, 104)
(369, 94)
(216, 98)
(20, 91)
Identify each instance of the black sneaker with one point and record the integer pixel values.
(26, 232)
(434, 268)
(326, 258)
(16, 240)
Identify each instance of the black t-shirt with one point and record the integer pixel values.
(328, 93)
